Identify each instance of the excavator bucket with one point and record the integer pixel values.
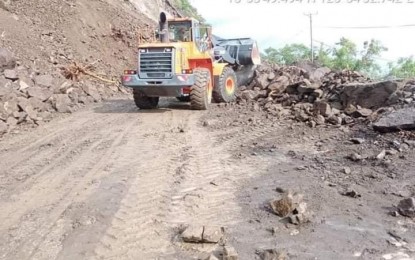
(239, 51)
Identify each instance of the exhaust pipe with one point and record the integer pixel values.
(164, 28)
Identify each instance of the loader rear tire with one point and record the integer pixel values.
(201, 91)
(144, 102)
(225, 86)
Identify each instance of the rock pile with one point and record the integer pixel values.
(29, 97)
(320, 96)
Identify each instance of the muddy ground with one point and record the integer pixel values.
(113, 182)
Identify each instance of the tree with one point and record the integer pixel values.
(367, 63)
(345, 54)
(287, 55)
(404, 68)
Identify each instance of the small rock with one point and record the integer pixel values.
(229, 253)
(391, 152)
(363, 112)
(280, 190)
(62, 103)
(3, 127)
(193, 234)
(31, 112)
(406, 207)
(322, 108)
(212, 234)
(318, 93)
(284, 206)
(40, 93)
(381, 155)
(347, 170)
(11, 121)
(320, 120)
(298, 219)
(272, 254)
(10, 74)
(202, 234)
(45, 81)
(351, 193)
(335, 120)
(211, 257)
(408, 100)
(294, 232)
(23, 85)
(355, 157)
(11, 106)
(357, 140)
(7, 61)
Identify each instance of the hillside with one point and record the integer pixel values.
(48, 37)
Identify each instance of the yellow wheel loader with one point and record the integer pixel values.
(188, 62)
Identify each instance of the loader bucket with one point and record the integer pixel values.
(242, 51)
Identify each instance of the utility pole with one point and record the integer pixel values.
(310, 16)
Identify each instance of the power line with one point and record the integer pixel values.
(369, 27)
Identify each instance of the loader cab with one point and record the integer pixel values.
(190, 30)
(180, 31)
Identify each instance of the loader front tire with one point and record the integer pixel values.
(225, 86)
(201, 91)
(144, 102)
(183, 98)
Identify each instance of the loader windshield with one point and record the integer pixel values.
(180, 31)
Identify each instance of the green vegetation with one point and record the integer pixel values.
(404, 68)
(288, 54)
(345, 54)
(188, 9)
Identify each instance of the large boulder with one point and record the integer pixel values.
(402, 119)
(279, 85)
(7, 60)
(319, 73)
(262, 81)
(368, 95)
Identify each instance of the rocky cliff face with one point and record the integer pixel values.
(152, 8)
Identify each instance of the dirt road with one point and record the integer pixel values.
(111, 182)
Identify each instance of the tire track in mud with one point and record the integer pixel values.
(64, 187)
(57, 156)
(55, 137)
(138, 229)
(233, 138)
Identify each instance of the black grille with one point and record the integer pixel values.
(156, 63)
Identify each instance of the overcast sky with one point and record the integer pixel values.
(276, 24)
